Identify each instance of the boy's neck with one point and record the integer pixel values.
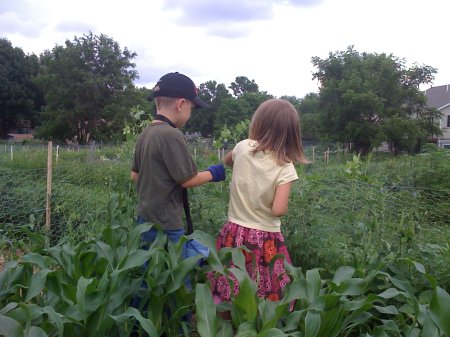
(163, 118)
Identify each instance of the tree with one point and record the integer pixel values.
(308, 108)
(85, 84)
(202, 120)
(20, 98)
(361, 95)
(225, 109)
(243, 85)
(234, 110)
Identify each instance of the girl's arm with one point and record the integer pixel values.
(134, 176)
(281, 199)
(228, 160)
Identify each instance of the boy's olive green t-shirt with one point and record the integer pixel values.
(163, 162)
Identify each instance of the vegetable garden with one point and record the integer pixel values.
(369, 239)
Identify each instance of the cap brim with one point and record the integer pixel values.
(199, 103)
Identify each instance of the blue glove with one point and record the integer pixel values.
(217, 171)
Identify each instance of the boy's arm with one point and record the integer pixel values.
(281, 199)
(214, 173)
(199, 179)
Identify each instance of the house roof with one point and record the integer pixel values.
(438, 97)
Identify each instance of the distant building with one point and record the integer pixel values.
(22, 131)
(439, 98)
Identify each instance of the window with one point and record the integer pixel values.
(448, 121)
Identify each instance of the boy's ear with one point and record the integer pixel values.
(179, 103)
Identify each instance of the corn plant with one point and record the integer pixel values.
(86, 289)
(369, 303)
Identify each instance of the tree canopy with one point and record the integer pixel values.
(84, 90)
(20, 98)
(86, 83)
(367, 98)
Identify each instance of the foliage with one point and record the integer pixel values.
(138, 122)
(85, 84)
(203, 120)
(369, 98)
(20, 98)
(308, 109)
(87, 289)
(232, 135)
(432, 170)
(353, 302)
(355, 229)
(242, 85)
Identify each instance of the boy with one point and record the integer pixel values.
(162, 164)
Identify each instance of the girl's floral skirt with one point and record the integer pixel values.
(263, 246)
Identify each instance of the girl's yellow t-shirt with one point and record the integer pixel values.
(253, 184)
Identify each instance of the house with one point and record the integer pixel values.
(439, 98)
(22, 131)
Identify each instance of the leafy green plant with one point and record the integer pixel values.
(86, 289)
(232, 134)
(352, 303)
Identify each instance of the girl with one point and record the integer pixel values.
(263, 173)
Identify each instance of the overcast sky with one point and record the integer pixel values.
(269, 41)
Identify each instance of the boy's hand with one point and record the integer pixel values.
(217, 171)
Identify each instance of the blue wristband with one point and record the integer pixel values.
(217, 171)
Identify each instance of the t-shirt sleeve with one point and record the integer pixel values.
(178, 159)
(287, 174)
(135, 164)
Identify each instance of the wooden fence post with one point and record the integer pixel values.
(49, 186)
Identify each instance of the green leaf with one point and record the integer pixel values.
(56, 319)
(107, 252)
(146, 324)
(134, 235)
(136, 259)
(342, 274)
(225, 329)
(419, 267)
(273, 333)
(10, 327)
(271, 313)
(244, 304)
(331, 322)
(7, 308)
(390, 293)
(379, 332)
(181, 271)
(205, 311)
(353, 287)
(37, 283)
(292, 321)
(40, 260)
(247, 329)
(312, 323)
(36, 332)
(82, 285)
(390, 309)
(440, 310)
(313, 284)
(429, 328)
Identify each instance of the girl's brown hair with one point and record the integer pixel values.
(276, 127)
